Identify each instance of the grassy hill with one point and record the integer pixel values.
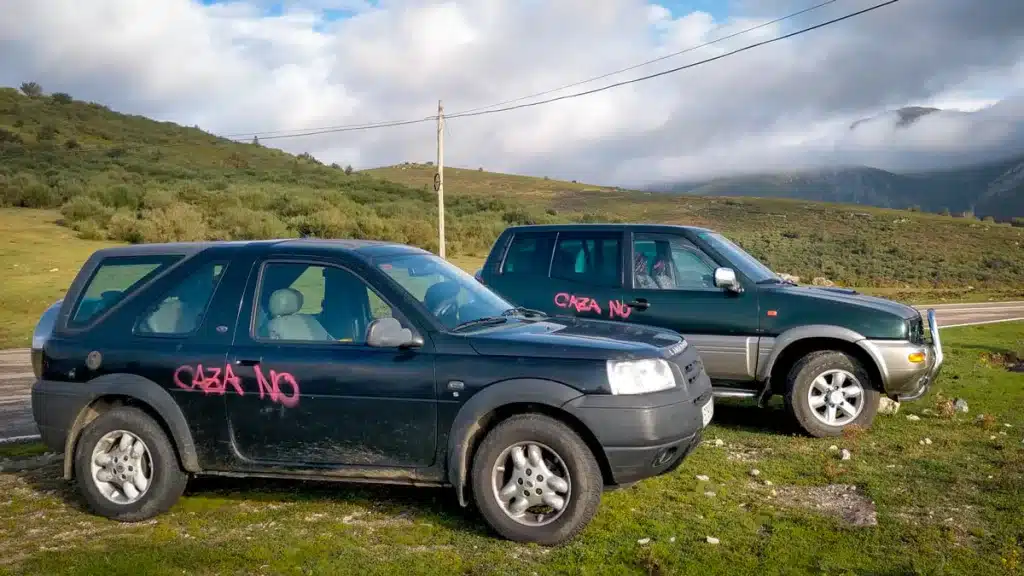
(124, 178)
(852, 245)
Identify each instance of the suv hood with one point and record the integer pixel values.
(567, 337)
(852, 297)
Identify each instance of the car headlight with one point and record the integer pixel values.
(639, 376)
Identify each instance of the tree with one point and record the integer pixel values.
(61, 98)
(348, 170)
(31, 89)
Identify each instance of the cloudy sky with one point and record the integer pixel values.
(261, 66)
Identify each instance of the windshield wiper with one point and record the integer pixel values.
(485, 321)
(522, 310)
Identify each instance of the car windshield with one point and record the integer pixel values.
(738, 257)
(452, 296)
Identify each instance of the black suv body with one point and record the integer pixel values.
(351, 360)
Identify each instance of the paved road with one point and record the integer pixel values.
(16, 371)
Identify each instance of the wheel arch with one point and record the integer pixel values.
(114, 390)
(796, 343)
(500, 401)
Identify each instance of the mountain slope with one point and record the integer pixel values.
(993, 188)
(125, 178)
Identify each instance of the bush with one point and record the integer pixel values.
(61, 98)
(177, 222)
(46, 132)
(248, 224)
(83, 208)
(31, 89)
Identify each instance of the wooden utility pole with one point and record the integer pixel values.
(439, 179)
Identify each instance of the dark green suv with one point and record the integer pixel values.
(830, 351)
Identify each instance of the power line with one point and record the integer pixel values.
(466, 114)
(600, 89)
(277, 133)
(659, 59)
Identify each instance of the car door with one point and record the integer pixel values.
(312, 393)
(586, 275)
(672, 286)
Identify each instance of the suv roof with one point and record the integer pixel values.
(365, 248)
(606, 227)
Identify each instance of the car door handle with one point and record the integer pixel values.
(639, 304)
(247, 361)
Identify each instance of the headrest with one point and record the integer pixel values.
(284, 302)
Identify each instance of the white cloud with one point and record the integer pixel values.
(232, 68)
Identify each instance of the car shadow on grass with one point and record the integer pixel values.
(744, 415)
(386, 503)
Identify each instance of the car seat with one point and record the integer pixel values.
(641, 277)
(285, 321)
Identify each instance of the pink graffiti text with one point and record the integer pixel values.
(216, 381)
(272, 387)
(581, 304)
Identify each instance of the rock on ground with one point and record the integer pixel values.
(888, 406)
(960, 405)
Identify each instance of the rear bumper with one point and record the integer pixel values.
(644, 435)
(55, 406)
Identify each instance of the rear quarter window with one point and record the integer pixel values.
(529, 255)
(114, 279)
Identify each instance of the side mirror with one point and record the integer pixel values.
(726, 278)
(389, 333)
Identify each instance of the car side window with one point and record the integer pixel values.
(114, 279)
(529, 255)
(663, 262)
(588, 259)
(301, 302)
(181, 310)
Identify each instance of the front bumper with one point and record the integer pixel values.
(903, 379)
(645, 435)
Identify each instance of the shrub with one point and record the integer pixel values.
(177, 222)
(61, 98)
(46, 132)
(83, 208)
(247, 224)
(31, 89)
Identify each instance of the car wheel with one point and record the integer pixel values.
(829, 391)
(535, 480)
(126, 467)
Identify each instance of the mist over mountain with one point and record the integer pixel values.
(987, 182)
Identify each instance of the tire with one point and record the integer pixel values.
(166, 479)
(585, 483)
(828, 363)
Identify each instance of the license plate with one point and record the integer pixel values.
(707, 411)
